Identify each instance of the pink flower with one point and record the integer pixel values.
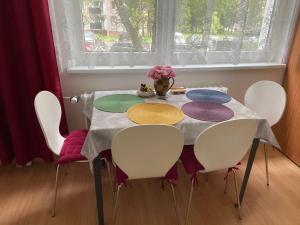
(161, 71)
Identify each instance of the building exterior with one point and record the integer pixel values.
(103, 18)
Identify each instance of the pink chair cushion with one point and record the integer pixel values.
(72, 146)
(106, 154)
(192, 165)
(189, 160)
(121, 176)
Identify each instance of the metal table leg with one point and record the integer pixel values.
(98, 189)
(251, 158)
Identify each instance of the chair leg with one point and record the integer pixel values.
(189, 203)
(175, 203)
(226, 182)
(237, 194)
(110, 178)
(55, 191)
(266, 163)
(116, 205)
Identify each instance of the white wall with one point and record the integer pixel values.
(236, 80)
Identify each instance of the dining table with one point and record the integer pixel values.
(104, 125)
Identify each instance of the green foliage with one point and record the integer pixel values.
(227, 11)
(147, 39)
(141, 15)
(255, 16)
(191, 17)
(105, 38)
(216, 26)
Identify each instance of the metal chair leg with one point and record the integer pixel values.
(266, 163)
(237, 194)
(226, 183)
(189, 203)
(110, 178)
(55, 191)
(175, 203)
(116, 205)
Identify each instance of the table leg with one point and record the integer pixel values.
(251, 158)
(98, 189)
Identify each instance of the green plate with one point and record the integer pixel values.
(117, 103)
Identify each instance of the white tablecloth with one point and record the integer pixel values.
(105, 125)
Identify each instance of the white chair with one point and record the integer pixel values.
(220, 146)
(146, 151)
(268, 100)
(48, 111)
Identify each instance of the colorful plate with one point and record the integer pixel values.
(206, 95)
(117, 103)
(155, 113)
(207, 111)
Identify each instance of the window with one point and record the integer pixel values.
(92, 33)
(119, 27)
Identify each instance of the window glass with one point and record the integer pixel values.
(218, 25)
(110, 33)
(119, 26)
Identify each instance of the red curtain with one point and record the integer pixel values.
(27, 66)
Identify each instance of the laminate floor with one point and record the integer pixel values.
(26, 197)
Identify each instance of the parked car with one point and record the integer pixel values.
(89, 37)
(195, 41)
(89, 40)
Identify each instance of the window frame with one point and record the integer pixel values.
(164, 54)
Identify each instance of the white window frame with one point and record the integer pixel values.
(166, 12)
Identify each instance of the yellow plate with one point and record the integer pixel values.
(155, 113)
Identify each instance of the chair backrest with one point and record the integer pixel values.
(147, 151)
(267, 99)
(223, 145)
(48, 111)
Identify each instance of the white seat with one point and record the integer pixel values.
(48, 111)
(268, 100)
(223, 146)
(146, 151)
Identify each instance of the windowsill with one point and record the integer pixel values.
(188, 68)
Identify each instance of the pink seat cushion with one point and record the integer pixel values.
(121, 176)
(106, 154)
(189, 160)
(72, 146)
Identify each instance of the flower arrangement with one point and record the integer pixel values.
(159, 72)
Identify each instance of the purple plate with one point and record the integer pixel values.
(207, 111)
